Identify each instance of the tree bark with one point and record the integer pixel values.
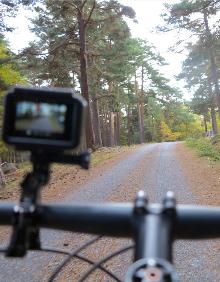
(111, 122)
(205, 123)
(214, 123)
(117, 129)
(96, 122)
(139, 111)
(112, 128)
(212, 107)
(142, 104)
(104, 127)
(212, 59)
(108, 129)
(129, 124)
(83, 73)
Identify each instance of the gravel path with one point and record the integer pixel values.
(153, 168)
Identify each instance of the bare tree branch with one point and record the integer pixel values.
(90, 14)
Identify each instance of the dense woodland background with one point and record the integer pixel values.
(86, 45)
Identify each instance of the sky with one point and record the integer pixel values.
(148, 17)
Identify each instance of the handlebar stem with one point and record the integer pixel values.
(153, 230)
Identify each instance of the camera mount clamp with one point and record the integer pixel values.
(26, 235)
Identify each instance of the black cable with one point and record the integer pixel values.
(65, 261)
(83, 259)
(99, 267)
(98, 263)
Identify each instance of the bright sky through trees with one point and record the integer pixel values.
(133, 95)
(148, 17)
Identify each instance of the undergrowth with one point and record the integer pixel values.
(205, 147)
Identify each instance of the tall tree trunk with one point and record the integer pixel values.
(129, 124)
(154, 129)
(102, 125)
(111, 117)
(96, 122)
(205, 123)
(108, 129)
(142, 104)
(117, 129)
(214, 123)
(112, 128)
(83, 73)
(213, 66)
(117, 119)
(139, 111)
(105, 130)
(213, 113)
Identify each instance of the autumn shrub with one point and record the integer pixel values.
(167, 134)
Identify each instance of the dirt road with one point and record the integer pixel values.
(154, 168)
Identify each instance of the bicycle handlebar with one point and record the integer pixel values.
(191, 222)
(152, 226)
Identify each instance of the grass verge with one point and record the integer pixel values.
(104, 154)
(205, 148)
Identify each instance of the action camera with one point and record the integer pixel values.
(43, 119)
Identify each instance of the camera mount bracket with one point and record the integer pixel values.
(26, 235)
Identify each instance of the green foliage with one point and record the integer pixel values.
(204, 147)
(201, 67)
(194, 129)
(9, 75)
(123, 72)
(215, 141)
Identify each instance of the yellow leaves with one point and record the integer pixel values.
(167, 134)
(3, 51)
(10, 76)
(8, 73)
(165, 130)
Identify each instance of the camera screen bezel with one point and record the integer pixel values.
(71, 137)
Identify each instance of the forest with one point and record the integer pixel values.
(86, 45)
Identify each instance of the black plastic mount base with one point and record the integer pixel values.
(83, 159)
(25, 234)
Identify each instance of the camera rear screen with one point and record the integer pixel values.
(40, 119)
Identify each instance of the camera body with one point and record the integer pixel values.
(43, 119)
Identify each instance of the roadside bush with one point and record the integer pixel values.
(204, 147)
(167, 134)
(215, 141)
